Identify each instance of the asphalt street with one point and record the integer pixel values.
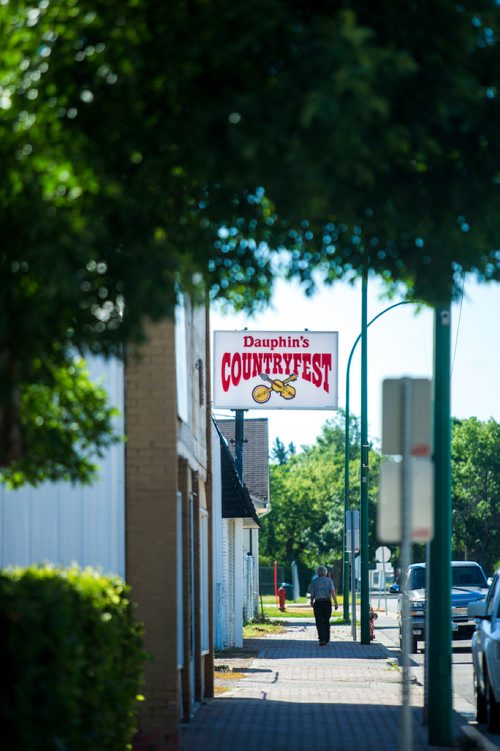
(462, 671)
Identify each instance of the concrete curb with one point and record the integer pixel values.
(476, 739)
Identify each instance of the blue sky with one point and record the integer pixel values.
(400, 344)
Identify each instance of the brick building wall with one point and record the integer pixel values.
(151, 510)
(167, 460)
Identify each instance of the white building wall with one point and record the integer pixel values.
(238, 569)
(229, 554)
(229, 578)
(256, 539)
(217, 527)
(65, 523)
(251, 551)
(228, 585)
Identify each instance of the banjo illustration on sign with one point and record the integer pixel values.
(262, 393)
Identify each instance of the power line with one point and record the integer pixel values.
(458, 324)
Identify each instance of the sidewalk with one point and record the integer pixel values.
(298, 696)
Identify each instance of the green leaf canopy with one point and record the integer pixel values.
(218, 144)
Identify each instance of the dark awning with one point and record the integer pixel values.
(236, 501)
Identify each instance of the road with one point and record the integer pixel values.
(461, 659)
(463, 690)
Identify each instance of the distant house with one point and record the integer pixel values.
(233, 514)
(255, 457)
(256, 479)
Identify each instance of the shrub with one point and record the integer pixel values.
(72, 659)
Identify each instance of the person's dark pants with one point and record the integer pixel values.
(322, 614)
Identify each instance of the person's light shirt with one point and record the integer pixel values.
(321, 588)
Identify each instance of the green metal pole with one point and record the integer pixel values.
(346, 495)
(439, 574)
(363, 543)
(347, 451)
(239, 440)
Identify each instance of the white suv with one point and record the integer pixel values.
(486, 656)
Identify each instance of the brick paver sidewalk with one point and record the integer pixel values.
(298, 696)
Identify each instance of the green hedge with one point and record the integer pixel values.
(71, 660)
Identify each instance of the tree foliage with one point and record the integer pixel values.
(476, 490)
(145, 144)
(307, 498)
(280, 454)
(67, 423)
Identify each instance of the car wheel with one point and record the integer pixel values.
(493, 707)
(414, 645)
(481, 707)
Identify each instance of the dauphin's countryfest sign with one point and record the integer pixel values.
(276, 370)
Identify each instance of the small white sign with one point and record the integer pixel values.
(382, 554)
(275, 370)
(386, 567)
(352, 524)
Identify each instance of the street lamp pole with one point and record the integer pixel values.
(363, 516)
(347, 453)
(440, 712)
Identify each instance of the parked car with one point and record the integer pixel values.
(468, 585)
(486, 656)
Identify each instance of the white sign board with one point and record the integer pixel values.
(421, 416)
(421, 501)
(275, 370)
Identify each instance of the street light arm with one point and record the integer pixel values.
(386, 310)
(348, 369)
(346, 449)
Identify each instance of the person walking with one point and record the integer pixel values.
(322, 593)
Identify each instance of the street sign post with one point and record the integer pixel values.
(382, 556)
(352, 531)
(404, 484)
(352, 547)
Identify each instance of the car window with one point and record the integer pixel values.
(491, 597)
(468, 576)
(417, 579)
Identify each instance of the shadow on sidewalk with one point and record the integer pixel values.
(246, 724)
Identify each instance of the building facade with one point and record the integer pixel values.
(234, 514)
(168, 520)
(255, 461)
(147, 519)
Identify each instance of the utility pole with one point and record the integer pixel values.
(347, 456)
(406, 738)
(365, 593)
(239, 440)
(239, 432)
(439, 569)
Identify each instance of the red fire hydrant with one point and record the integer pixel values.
(373, 617)
(282, 598)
